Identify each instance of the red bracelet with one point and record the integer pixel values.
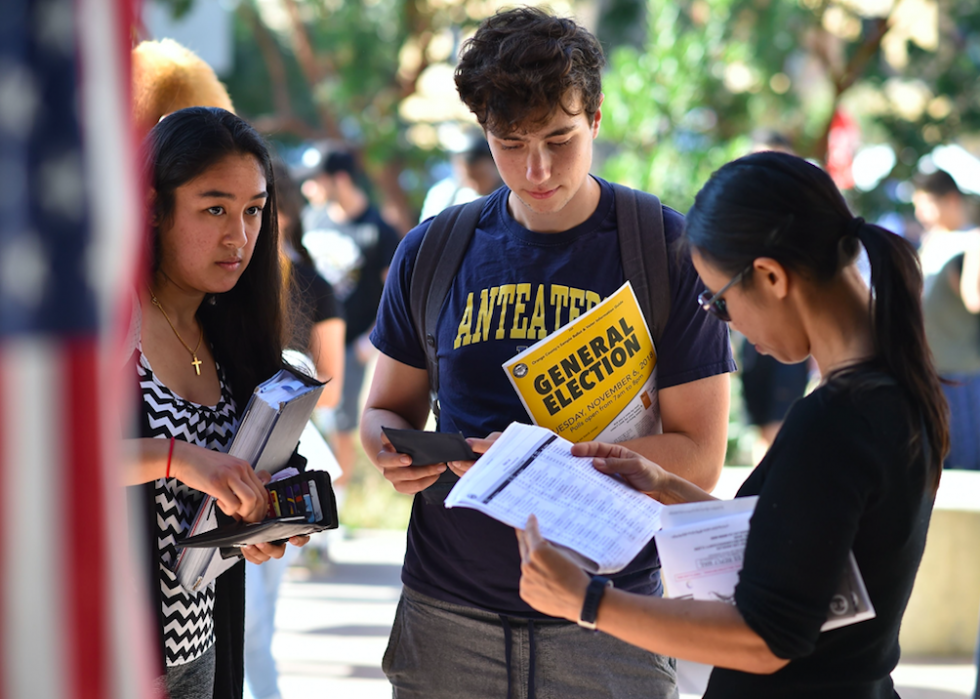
(170, 455)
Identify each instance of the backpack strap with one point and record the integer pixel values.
(643, 248)
(438, 261)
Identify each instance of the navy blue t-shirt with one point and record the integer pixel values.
(514, 288)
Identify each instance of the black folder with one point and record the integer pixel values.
(314, 510)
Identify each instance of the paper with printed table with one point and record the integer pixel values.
(602, 521)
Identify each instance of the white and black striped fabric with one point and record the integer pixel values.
(189, 623)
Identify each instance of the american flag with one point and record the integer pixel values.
(71, 624)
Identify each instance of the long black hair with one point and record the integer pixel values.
(780, 206)
(245, 325)
(290, 201)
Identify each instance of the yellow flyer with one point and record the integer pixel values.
(594, 378)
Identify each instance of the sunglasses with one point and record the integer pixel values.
(715, 304)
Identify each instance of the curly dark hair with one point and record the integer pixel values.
(523, 64)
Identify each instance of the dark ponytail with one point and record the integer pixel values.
(896, 281)
(780, 206)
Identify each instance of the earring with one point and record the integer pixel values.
(212, 299)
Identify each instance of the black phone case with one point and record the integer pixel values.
(428, 448)
(231, 533)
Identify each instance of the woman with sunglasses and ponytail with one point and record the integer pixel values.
(855, 466)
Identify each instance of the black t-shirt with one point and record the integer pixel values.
(352, 256)
(312, 300)
(840, 476)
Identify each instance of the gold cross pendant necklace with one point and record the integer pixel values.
(196, 363)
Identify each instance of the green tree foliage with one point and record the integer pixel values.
(662, 103)
(687, 83)
(942, 104)
(337, 69)
(712, 71)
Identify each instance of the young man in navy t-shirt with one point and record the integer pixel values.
(544, 252)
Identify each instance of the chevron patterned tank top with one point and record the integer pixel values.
(189, 622)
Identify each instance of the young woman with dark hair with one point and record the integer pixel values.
(210, 330)
(855, 466)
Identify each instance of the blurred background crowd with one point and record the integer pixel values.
(883, 93)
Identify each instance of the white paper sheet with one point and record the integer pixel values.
(702, 547)
(530, 470)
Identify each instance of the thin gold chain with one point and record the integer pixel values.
(196, 363)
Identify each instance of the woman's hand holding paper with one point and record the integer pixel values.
(613, 459)
(550, 581)
(640, 473)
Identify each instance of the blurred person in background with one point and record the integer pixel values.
(168, 77)
(949, 253)
(319, 328)
(316, 345)
(474, 175)
(351, 245)
(480, 171)
(950, 257)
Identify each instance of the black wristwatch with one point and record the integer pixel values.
(593, 595)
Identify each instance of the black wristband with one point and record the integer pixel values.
(590, 606)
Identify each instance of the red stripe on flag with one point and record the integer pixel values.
(3, 553)
(86, 595)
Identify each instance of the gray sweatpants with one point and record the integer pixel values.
(439, 650)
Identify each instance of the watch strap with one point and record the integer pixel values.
(593, 596)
